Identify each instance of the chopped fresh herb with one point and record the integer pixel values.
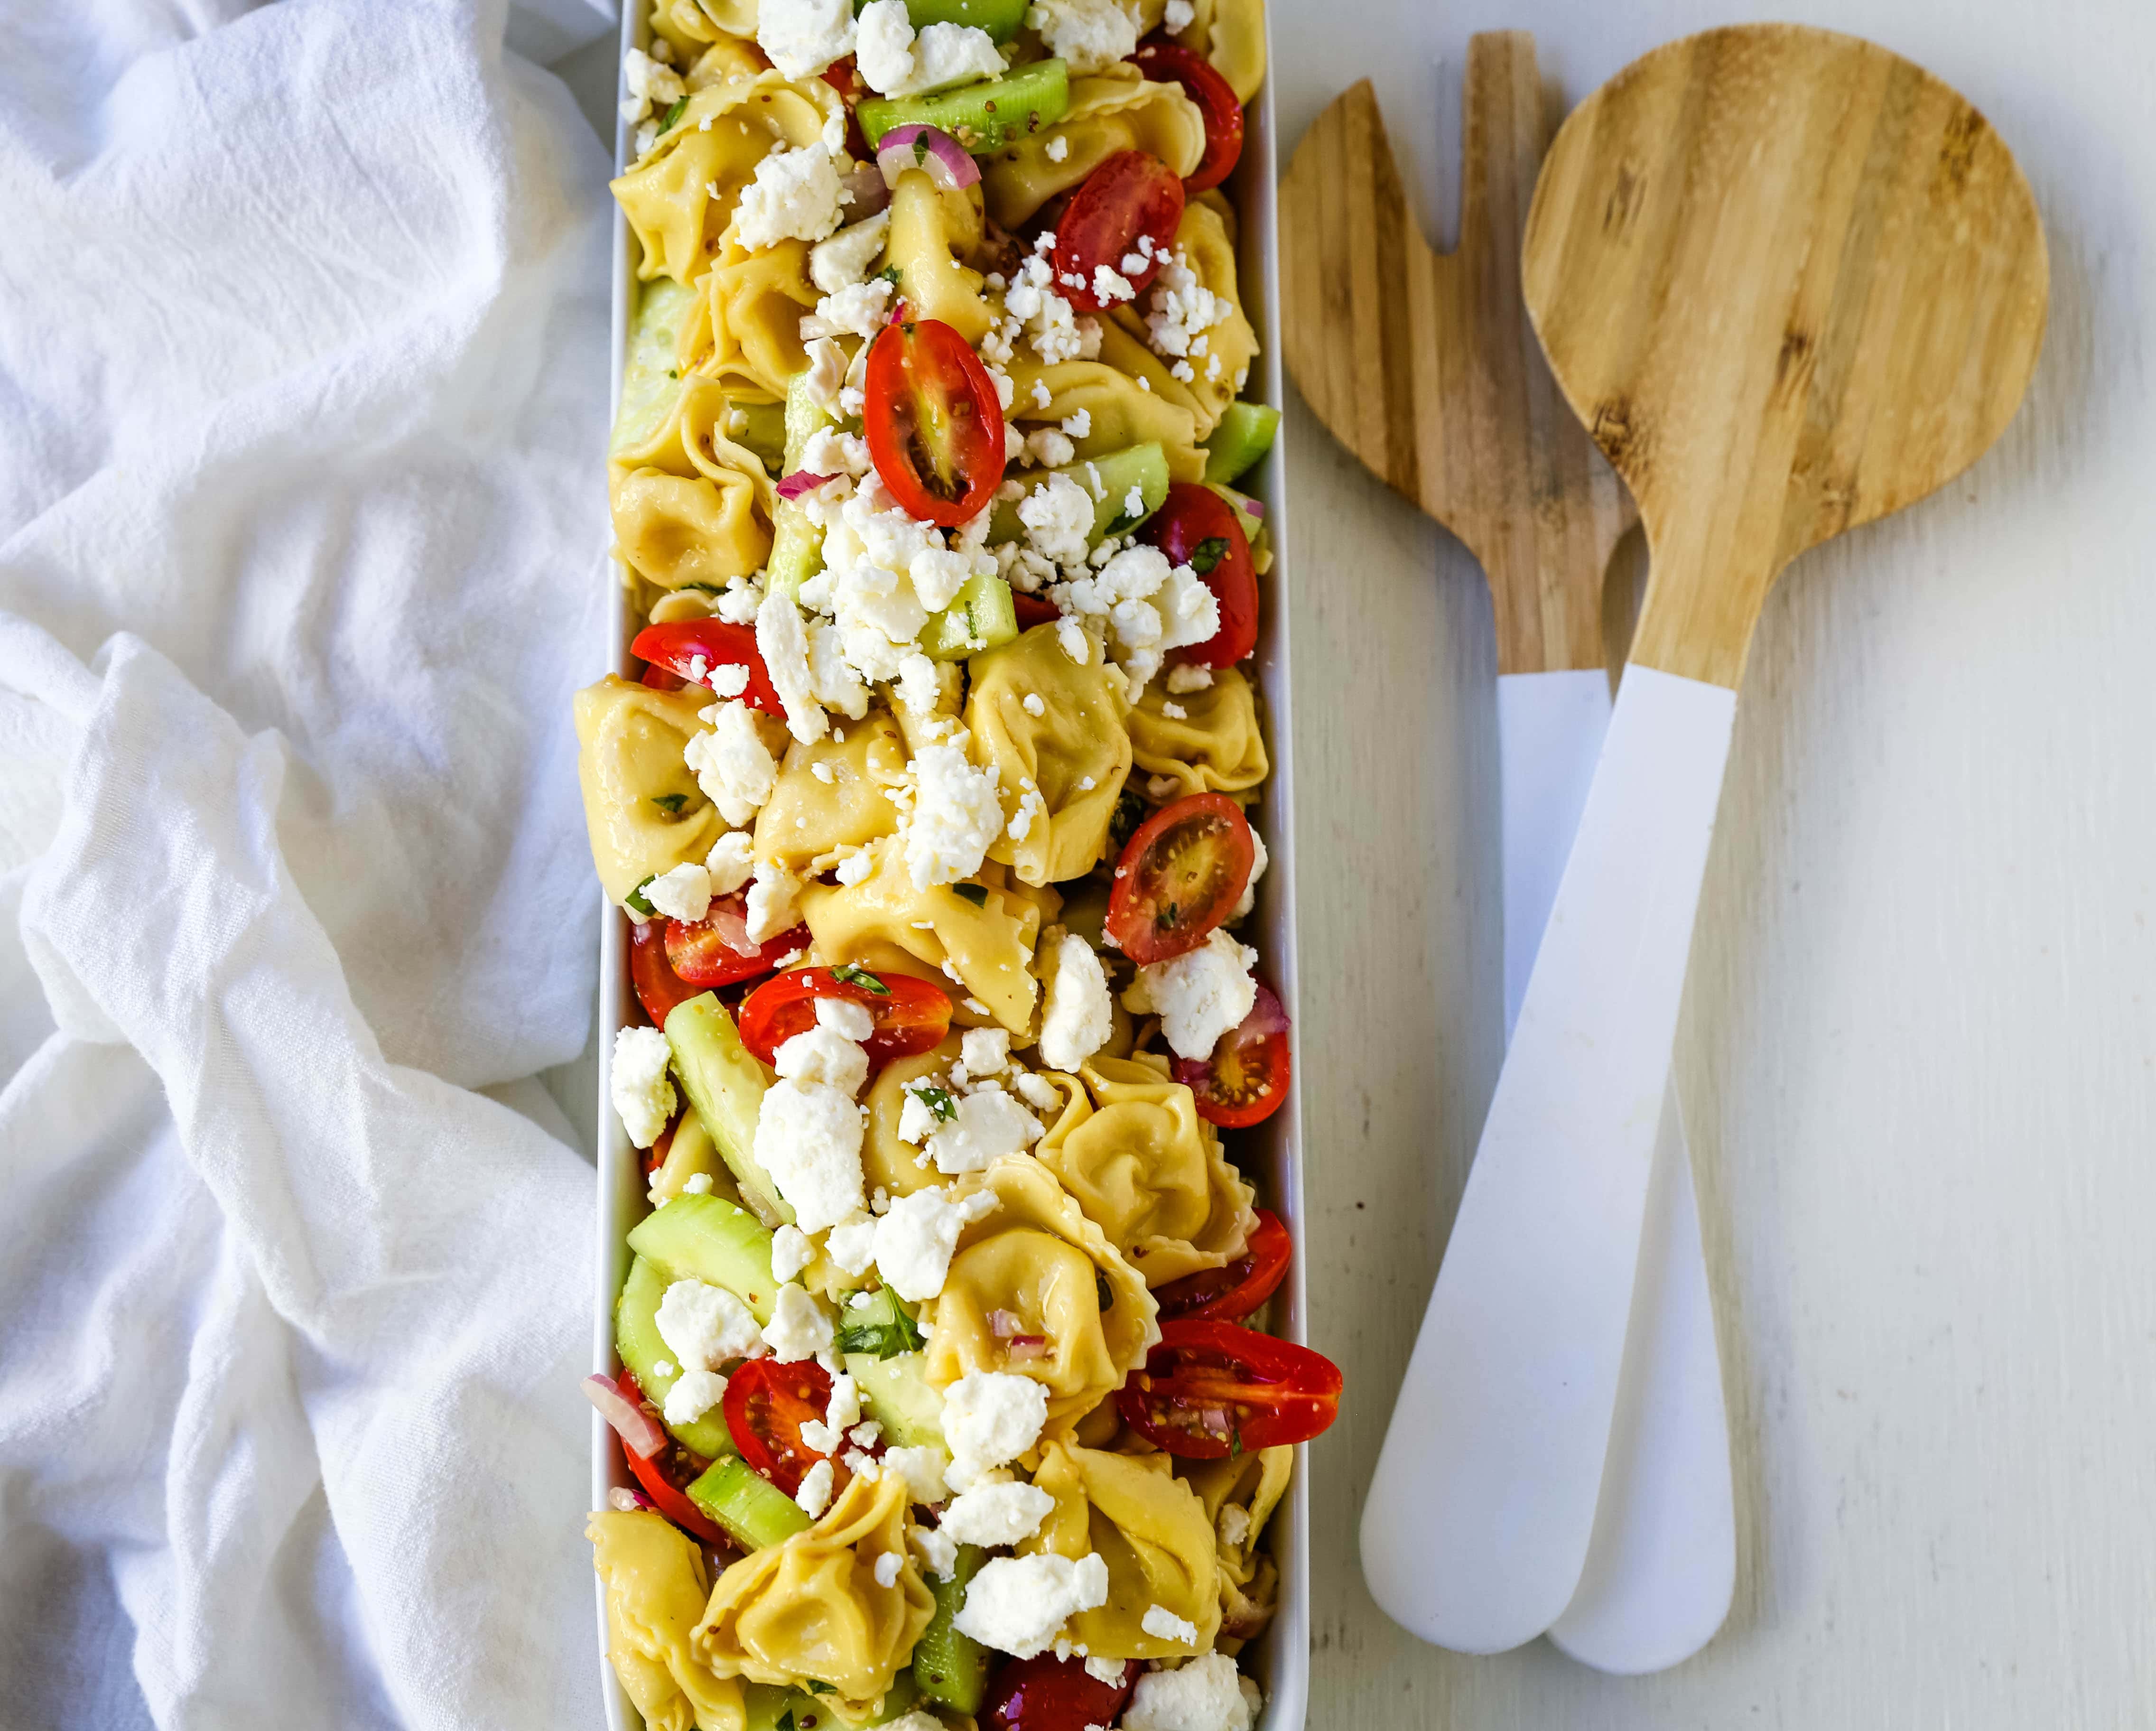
(814, 1688)
(977, 894)
(634, 902)
(846, 974)
(937, 1100)
(1130, 813)
(883, 1328)
(786, 1722)
(675, 373)
(1208, 553)
(919, 149)
(1103, 1293)
(1167, 918)
(673, 115)
(1235, 1439)
(888, 274)
(671, 803)
(1122, 523)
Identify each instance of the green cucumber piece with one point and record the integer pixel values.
(983, 117)
(1000, 18)
(1142, 466)
(725, 1084)
(952, 1669)
(751, 1508)
(649, 381)
(1245, 434)
(797, 540)
(881, 1329)
(982, 617)
(707, 1238)
(763, 431)
(899, 1396)
(771, 1707)
(1246, 519)
(636, 1337)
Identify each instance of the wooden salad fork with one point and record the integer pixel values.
(1424, 365)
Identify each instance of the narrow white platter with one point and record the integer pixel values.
(1269, 1156)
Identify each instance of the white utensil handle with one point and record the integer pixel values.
(1478, 1519)
(1661, 1565)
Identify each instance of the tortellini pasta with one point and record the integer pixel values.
(831, 796)
(1230, 33)
(1216, 745)
(1038, 1258)
(747, 333)
(932, 233)
(684, 22)
(690, 506)
(813, 1607)
(644, 811)
(1117, 109)
(1239, 1494)
(1205, 245)
(1151, 1530)
(654, 1580)
(1064, 767)
(1118, 413)
(1131, 1149)
(887, 1161)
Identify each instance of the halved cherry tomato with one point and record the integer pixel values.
(911, 1015)
(668, 1498)
(655, 1156)
(659, 988)
(1244, 1081)
(716, 950)
(679, 644)
(934, 423)
(765, 1405)
(1130, 194)
(1223, 1295)
(1180, 877)
(1034, 611)
(1171, 63)
(1196, 526)
(1046, 1693)
(1211, 1389)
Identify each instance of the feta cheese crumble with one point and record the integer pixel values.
(793, 196)
(685, 893)
(921, 1466)
(790, 1252)
(984, 1050)
(730, 763)
(914, 1240)
(1163, 1625)
(696, 1394)
(1199, 995)
(842, 261)
(1092, 34)
(990, 1417)
(643, 1092)
(1206, 1694)
(814, 1495)
(1079, 1014)
(1018, 1604)
(893, 61)
(1000, 1512)
(808, 1138)
(706, 1326)
(802, 37)
(990, 1124)
(799, 1327)
(957, 815)
(822, 1055)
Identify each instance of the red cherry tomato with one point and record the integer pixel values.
(1170, 63)
(911, 1015)
(1130, 194)
(934, 426)
(668, 1498)
(659, 988)
(1211, 1389)
(1046, 1693)
(1223, 1295)
(1180, 875)
(1034, 611)
(845, 77)
(716, 950)
(1196, 526)
(677, 647)
(765, 1405)
(659, 680)
(1244, 1081)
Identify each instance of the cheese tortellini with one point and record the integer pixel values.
(932, 235)
(1215, 743)
(1239, 1494)
(643, 808)
(689, 504)
(1230, 33)
(747, 333)
(655, 1584)
(1116, 413)
(832, 796)
(1116, 110)
(1210, 255)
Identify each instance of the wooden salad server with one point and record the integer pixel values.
(1425, 366)
(1791, 283)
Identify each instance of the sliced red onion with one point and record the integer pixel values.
(1255, 508)
(864, 192)
(801, 482)
(731, 929)
(1265, 1017)
(919, 146)
(640, 1432)
(1004, 1323)
(623, 1500)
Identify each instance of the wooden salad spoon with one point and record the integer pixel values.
(1425, 366)
(1791, 283)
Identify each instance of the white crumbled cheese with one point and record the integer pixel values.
(698, 1184)
(984, 1050)
(730, 763)
(643, 1093)
(783, 643)
(937, 1550)
(1199, 995)
(893, 61)
(1106, 1670)
(820, 1438)
(737, 603)
(917, 1118)
(1258, 864)
(915, 1238)
(957, 816)
(1181, 308)
(1059, 148)
(685, 893)
(729, 678)
(827, 371)
(1078, 1015)
(1033, 706)
(1080, 425)
(1018, 1604)
(848, 1018)
(1188, 676)
(851, 1245)
(793, 196)
(790, 1252)
(1039, 1093)
(799, 1327)
(921, 1467)
(843, 1411)
(855, 866)
(887, 1574)
(1179, 17)
(666, 1367)
(821, 1054)
(696, 1393)
(1051, 449)
(1001, 1511)
(1149, 606)
(1234, 1524)
(1134, 501)
(854, 311)
(1163, 1625)
(1206, 1694)
(844, 259)
(1059, 521)
(1092, 34)
(1175, 711)
(938, 573)
(1072, 636)
(990, 1417)
(706, 1327)
(650, 85)
(802, 37)
(814, 1495)
(988, 1126)
(808, 1138)
(1110, 286)
(770, 909)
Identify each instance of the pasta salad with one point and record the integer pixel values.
(943, 1372)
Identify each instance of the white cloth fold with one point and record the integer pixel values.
(302, 551)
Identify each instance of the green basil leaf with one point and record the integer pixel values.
(937, 1100)
(671, 803)
(846, 974)
(977, 894)
(1208, 553)
(634, 902)
(673, 115)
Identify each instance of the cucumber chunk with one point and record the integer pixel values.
(983, 117)
(982, 617)
(1245, 434)
(707, 1238)
(761, 429)
(900, 1397)
(649, 381)
(881, 1329)
(725, 1084)
(796, 541)
(1107, 481)
(771, 1706)
(1246, 519)
(636, 1337)
(952, 1669)
(752, 1509)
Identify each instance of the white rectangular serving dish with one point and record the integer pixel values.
(1271, 1155)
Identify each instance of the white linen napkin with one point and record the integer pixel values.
(302, 551)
